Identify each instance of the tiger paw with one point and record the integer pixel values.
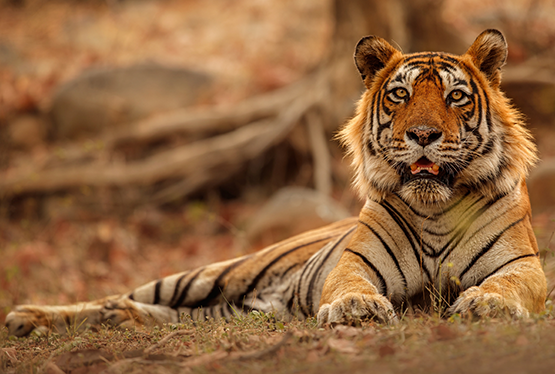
(474, 302)
(121, 313)
(23, 321)
(354, 307)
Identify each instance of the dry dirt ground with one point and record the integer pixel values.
(259, 343)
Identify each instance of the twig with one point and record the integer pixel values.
(166, 339)
(264, 352)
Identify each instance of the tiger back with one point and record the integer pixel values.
(440, 156)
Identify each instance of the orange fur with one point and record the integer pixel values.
(505, 276)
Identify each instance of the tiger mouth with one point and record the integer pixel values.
(425, 169)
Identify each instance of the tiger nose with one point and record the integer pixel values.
(423, 135)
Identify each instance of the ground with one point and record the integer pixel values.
(257, 342)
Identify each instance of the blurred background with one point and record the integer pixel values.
(143, 138)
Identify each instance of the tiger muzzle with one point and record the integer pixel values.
(423, 135)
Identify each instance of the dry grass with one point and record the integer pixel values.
(258, 342)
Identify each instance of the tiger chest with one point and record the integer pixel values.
(418, 258)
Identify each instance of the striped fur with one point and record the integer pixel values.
(440, 157)
(286, 278)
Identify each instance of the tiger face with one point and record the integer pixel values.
(433, 124)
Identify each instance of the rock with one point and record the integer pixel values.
(102, 99)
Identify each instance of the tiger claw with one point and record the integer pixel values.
(476, 303)
(353, 308)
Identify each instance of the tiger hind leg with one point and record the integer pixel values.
(126, 313)
(25, 319)
(116, 311)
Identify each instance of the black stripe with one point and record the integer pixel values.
(218, 287)
(403, 225)
(468, 114)
(287, 271)
(389, 251)
(488, 147)
(464, 216)
(290, 303)
(487, 247)
(461, 232)
(445, 66)
(505, 264)
(262, 272)
(306, 269)
(488, 113)
(224, 307)
(390, 208)
(443, 212)
(157, 292)
(176, 287)
(183, 294)
(479, 111)
(488, 205)
(462, 226)
(67, 320)
(374, 269)
(316, 274)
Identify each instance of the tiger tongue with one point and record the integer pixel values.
(424, 164)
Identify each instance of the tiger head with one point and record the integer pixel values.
(430, 125)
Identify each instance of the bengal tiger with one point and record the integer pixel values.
(441, 157)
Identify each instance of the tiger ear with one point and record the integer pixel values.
(372, 53)
(489, 53)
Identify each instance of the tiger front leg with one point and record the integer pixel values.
(351, 295)
(513, 292)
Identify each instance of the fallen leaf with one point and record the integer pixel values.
(343, 346)
(312, 356)
(52, 368)
(342, 331)
(521, 340)
(86, 357)
(386, 350)
(444, 332)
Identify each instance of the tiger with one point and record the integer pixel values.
(440, 157)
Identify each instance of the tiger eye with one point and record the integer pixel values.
(401, 92)
(456, 95)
